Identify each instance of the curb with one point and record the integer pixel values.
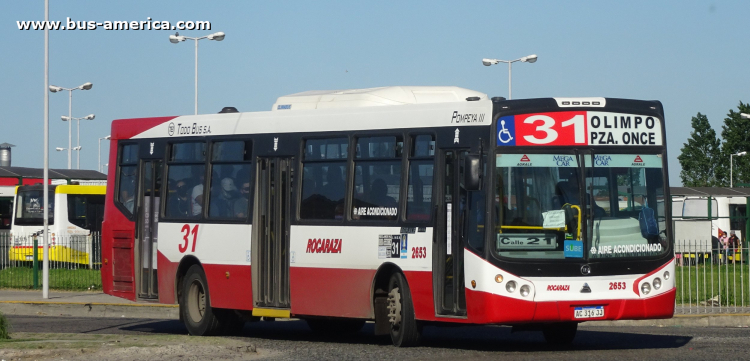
(171, 312)
(90, 309)
(713, 320)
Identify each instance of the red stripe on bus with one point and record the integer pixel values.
(128, 128)
(335, 292)
(230, 286)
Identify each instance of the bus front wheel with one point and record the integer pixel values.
(560, 333)
(405, 330)
(195, 304)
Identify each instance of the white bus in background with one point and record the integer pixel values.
(75, 212)
(693, 229)
(7, 193)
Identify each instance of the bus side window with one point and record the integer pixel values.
(324, 178)
(126, 179)
(186, 175)
(421, 169)
(377, 178)
(230, 180)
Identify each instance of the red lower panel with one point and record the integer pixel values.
(230, 286)
(167, 273)
(420, 285)
(483, 307)
(331, 292)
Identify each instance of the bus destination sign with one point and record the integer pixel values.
(579, 128)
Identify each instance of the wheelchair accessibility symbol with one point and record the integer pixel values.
(504, 135)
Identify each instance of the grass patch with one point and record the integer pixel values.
(713, 285)
(60, 278)
(4, 328)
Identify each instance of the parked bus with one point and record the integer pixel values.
(75, 212)
(402, 205)
(7, 193)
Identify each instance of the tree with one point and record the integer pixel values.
(700, 154)
(736, 135)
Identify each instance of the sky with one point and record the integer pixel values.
(690, 55)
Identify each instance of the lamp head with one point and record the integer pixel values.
(529, 59)
(176, 38)
(488, 62)
(741, 154)
(65, 118)
(108, 137)
(55, 88)
(219, 36)
(90, 117)
(85, 86)
(59, 149)
(745, 115)
(77, 148)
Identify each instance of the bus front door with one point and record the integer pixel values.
(146, 228)
(270, 248)
(449, 248)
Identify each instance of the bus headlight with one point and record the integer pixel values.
(525, 290)
(499, 278)
(666, 275)
(646, 288)
(657, 283)
(510, 286)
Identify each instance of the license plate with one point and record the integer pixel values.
(589, 312)
(29, 258)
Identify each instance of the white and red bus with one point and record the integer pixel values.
(400, 205)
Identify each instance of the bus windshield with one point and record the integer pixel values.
(29, 210)
(541, 213)
(629, 205)
(537, 204)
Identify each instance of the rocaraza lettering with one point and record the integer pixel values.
(323, 245)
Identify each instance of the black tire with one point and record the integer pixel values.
(195, 305)
(405, 330)
(335, 326)
(560, 334)
(231, 323)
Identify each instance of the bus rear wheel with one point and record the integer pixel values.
(405, 330)
(560, 334)
(195, 304)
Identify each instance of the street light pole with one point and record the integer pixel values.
(99, 163)
(55, 89)
(526, 59)
(78, 138)
(176, 38)
(45, 187)
(731, 163)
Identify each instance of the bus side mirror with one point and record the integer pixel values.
(472, 172)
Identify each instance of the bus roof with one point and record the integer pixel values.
(381, 96)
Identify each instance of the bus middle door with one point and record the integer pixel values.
(147, 220)
(448, 275)
(270, 263)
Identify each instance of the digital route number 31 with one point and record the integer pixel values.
(559, 128)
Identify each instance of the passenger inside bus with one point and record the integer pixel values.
(127, 191)
(223, 197)
(379, 194)
(567, 192)
(179, 204)
(241, 204)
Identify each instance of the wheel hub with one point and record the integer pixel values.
(394, 307)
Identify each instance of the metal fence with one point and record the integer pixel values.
(74, 262)
(711, 278)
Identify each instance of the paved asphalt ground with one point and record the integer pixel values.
(289, 340)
